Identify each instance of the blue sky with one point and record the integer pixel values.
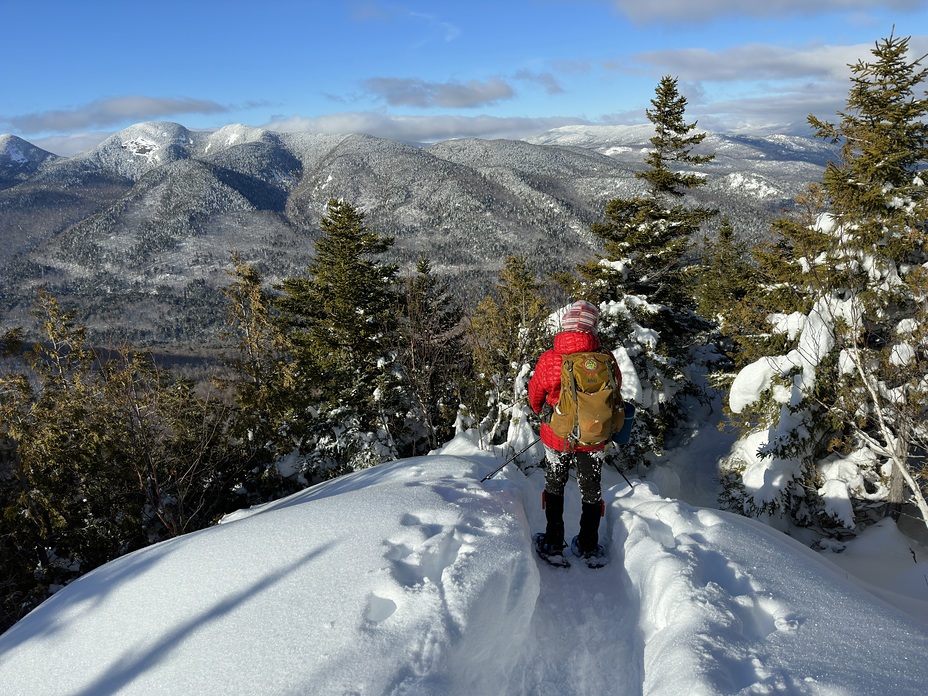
(74, 72)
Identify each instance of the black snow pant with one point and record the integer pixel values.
(589, 466)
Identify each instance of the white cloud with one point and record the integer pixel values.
(69, 145)
(449, 32)
(757, 62)
(421, 128)
(452, 94)
(707, 10)
(778, 87)
(108, 112)
(368, 11)
(776, 112)
(545, 79)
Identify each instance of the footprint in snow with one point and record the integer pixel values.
(379, 608)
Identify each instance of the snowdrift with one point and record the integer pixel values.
(415, 578)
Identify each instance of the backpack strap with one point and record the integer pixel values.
(575, 431)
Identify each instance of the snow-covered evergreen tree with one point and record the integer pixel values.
(838, 418)
(645, 277)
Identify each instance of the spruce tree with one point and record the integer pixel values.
(507, 332)
(856, 375)
(646, 274)
(647, 238)
(73, 509)
(674, 140)
(880, 206)
(726, 275)
(341, 321)
(739, 284)
(433, 356)
(262, 385)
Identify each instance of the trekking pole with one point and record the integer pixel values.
(624, 435)
(622, 473)
(630, 484)
(503, 465)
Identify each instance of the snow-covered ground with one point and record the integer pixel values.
(414, 577)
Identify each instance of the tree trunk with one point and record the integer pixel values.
(896, 496)
(896, 446)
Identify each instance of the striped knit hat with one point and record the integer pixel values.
(581, 316)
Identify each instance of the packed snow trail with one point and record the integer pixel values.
(583, 637)
(705, 602)
(415, 578)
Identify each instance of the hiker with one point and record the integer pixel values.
(578, 335)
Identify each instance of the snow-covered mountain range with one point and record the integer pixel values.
(139, 229)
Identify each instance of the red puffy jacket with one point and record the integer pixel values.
(545, 384)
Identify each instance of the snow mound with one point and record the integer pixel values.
(414, 577)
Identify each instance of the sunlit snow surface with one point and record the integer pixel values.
(416, 578)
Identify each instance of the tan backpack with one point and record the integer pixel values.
(589, 409)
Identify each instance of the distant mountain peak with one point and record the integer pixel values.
(136, 150)
(14, 151)
(236, 134)
(20, 160)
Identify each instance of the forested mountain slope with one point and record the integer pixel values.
(138, 230)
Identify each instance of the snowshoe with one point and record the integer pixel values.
(550, 554)
(593, 559)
